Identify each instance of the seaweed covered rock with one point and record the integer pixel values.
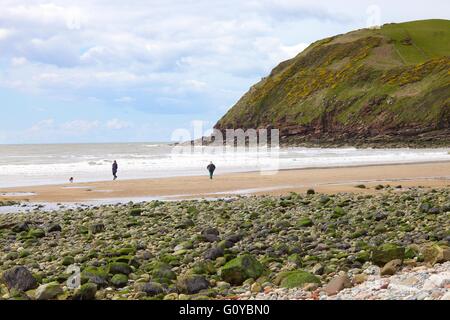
(192, 284)
(161, 272)
(48, 291)
(36, 233)
(98, 276)
(433, 253)
(119, 268)
(97, 228)
(387, 252)
(86, 292)
(296, 279)
(119, 280)
(241, 268)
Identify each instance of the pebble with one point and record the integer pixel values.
(331, 243)
(421, 284)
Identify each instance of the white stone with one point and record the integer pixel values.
(402, 288)
(437, 281)
(372, 270)
(446, 296)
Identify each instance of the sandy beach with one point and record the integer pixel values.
(329, 180)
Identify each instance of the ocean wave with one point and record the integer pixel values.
(152, 163)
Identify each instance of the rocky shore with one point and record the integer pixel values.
(393, 244)
(411, 283)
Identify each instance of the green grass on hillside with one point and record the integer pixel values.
(418, 41)
(393, 78)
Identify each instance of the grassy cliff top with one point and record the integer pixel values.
(366, 82)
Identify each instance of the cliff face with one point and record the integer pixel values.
(390, 84)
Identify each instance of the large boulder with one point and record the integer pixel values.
(119, 268)
(36, 233)
(21, 227)
(152, 288)
(98, 276)
(210, 234)
(241, 268)
(387, 252)
(391, 267)
(54, 228)
(19, 278)
(337, 284)
(185, 224)
(434, 253)
(161, 272)
(119, 280)
(192, 284)
(48, 291)
(214, 253)
(86, 292)
(295, 279)
(234, 238)
(97, 228)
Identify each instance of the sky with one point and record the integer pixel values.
(135, 70)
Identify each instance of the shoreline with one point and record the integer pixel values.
(225, 173)
(326, 180)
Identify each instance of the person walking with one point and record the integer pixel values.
(211, 168)
(115, 168)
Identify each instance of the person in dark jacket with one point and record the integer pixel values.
(211, 168)
(115, 167)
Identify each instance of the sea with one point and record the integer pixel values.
(28, 165)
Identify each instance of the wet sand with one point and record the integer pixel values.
(326, 180)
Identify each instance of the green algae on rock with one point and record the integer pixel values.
(241, 268)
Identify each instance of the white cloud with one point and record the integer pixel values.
(125, 99)
(18, 61)
(5, 33)
(42, 125)
(116, 124)
(169, 52)
(79, 126)
(195, 84)
(46, 14)
(76, 127)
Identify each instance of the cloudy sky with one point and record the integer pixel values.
(106, 71)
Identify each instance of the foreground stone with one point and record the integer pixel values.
(296, 279)
(192, 284)
(19, 278)
(241, 268)
(387, 252)
(86, 292)
(292, 235)
(338, 283)
(48, 291)
(391, 267)
(436, 254)
(420, 283)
